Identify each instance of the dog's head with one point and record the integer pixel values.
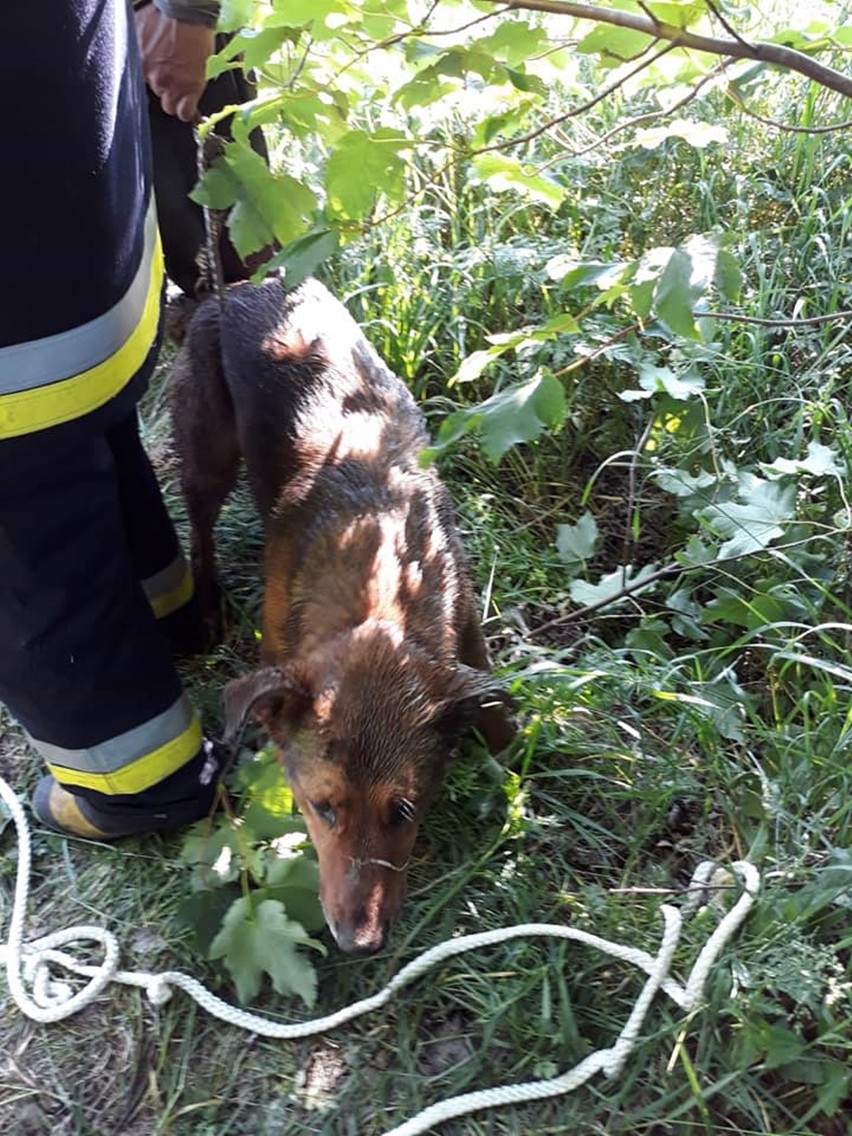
(365, 730)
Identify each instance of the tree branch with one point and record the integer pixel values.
(803, 321)
(774, 53)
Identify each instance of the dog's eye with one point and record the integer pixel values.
(325, 812)
(403, 812)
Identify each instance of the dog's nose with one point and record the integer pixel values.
(361, 941)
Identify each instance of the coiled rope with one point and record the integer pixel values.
(45, 998)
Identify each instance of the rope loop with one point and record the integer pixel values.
(46, 998)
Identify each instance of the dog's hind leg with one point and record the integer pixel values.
(205, 437)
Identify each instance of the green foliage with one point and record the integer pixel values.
(362, 93)
(655, 501)
(516, 414)
(257, 939)
(254, 898)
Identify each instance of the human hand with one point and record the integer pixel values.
(174, 58)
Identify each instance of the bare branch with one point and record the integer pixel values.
(729, 28)
(575, 111)
(643, 119)
(774, 53)
(735, 97)
(803, 322)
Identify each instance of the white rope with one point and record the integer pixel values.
(46, 999)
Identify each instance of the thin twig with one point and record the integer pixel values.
(804, 321)
(729, 28)
(642, 119)
(735, 97)
(625, 331)
(575, 111)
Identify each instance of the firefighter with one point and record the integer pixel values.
(94, 590)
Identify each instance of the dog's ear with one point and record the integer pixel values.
(464, 699)
(263, 694)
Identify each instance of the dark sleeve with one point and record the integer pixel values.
(190, 11)
(76, 156)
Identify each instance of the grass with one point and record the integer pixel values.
(707, 718)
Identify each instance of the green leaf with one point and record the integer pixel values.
(614, 45)
(520, 413)
(258, 939)
(257, 45)
(697, 134)
(821, 461)
(682, 483)
(262, 779)
(830, 887)
(266, 207)
(577, 274)
(213, 856)
(674, 296)
(301, 258)
(688, 274)
(294, 881)
(754, 524)
(297, 13)
(514, 41)
(696, 554)
(649, 638)
(235, 14)
(726, 607)
(304, 113)
(362, 167)
(472, 367)
(262, 823)
(502, 173)
(522, 81)
(423, 90)
(779, 1044)
(611, 585)
(677, 15)
(728, 277)
(663, 380)
(576, 543)
(217, 189)
(516, 414)
(835, 1087)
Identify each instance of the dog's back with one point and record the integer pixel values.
(309, 392)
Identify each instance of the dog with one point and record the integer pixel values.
(373, 660)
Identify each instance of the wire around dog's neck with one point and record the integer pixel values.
(209, 149)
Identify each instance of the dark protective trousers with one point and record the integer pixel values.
(83, 659)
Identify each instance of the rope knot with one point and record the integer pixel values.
(159, 990)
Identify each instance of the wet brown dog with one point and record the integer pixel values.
(374, 661)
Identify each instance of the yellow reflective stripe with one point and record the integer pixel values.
(24, 412)
(142, 773)
(164, 602)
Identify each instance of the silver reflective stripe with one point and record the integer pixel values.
(114, 754)
(25, 366)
